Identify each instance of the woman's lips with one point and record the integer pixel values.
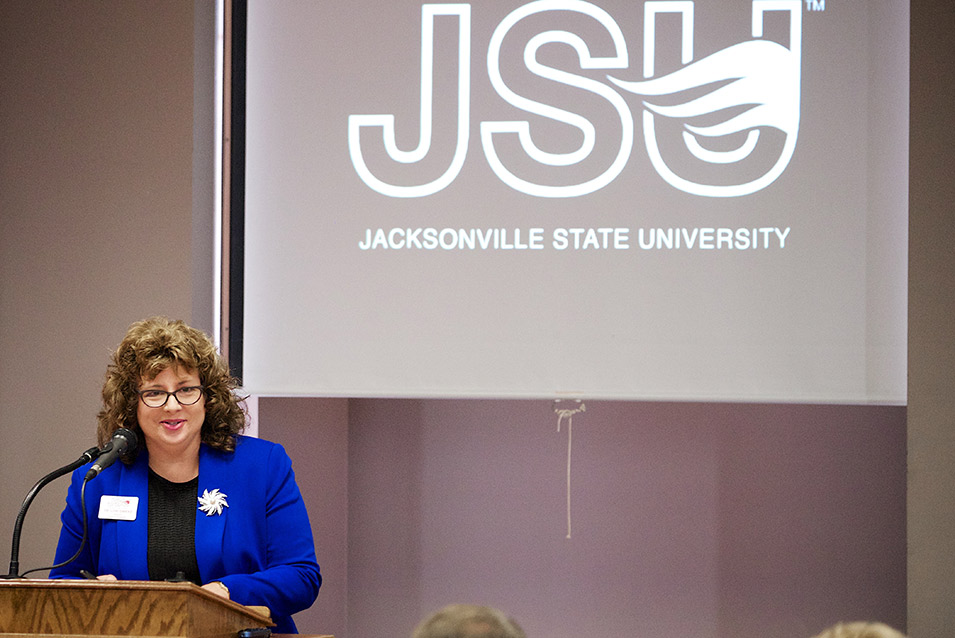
(173, 424)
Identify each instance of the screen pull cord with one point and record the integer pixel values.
(568, 414)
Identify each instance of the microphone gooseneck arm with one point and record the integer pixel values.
(87, 456)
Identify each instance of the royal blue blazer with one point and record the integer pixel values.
(260, 546)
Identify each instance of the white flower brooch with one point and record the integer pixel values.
(212, 502)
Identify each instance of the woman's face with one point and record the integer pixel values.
(173, 429)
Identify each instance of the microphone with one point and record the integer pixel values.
(88, 456)
(123, 441)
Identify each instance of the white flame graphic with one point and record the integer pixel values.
(759, 74)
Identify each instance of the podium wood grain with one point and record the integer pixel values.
(120, 608)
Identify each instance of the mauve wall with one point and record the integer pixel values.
(704, 520)
(315, 434)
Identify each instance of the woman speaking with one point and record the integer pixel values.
(195, 500)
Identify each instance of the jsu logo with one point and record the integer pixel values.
(705, 144)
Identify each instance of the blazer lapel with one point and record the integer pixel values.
(131, 537)
(210, 528)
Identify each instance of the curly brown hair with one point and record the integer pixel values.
(151, 346)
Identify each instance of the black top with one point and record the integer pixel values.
(172, 529)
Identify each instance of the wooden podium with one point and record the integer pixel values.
(30, 608)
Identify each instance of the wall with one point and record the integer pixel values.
(689, 519)
(707, 520)
(316, 435)
(96, 197)
(931, 401)
(97, 191)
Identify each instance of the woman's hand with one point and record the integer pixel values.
(217, 588)
(105, 577)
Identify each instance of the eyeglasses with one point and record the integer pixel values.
(158, 398)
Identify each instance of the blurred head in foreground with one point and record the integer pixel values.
(861, 630)
(468, 621)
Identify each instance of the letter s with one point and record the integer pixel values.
(618, 60)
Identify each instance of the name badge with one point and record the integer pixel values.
(118, 508)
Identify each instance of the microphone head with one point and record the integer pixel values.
(126, 440)
(123, 441)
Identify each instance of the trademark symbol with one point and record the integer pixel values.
(815, 5)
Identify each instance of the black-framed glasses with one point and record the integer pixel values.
(158, 398)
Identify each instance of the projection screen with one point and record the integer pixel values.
(659, 200)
